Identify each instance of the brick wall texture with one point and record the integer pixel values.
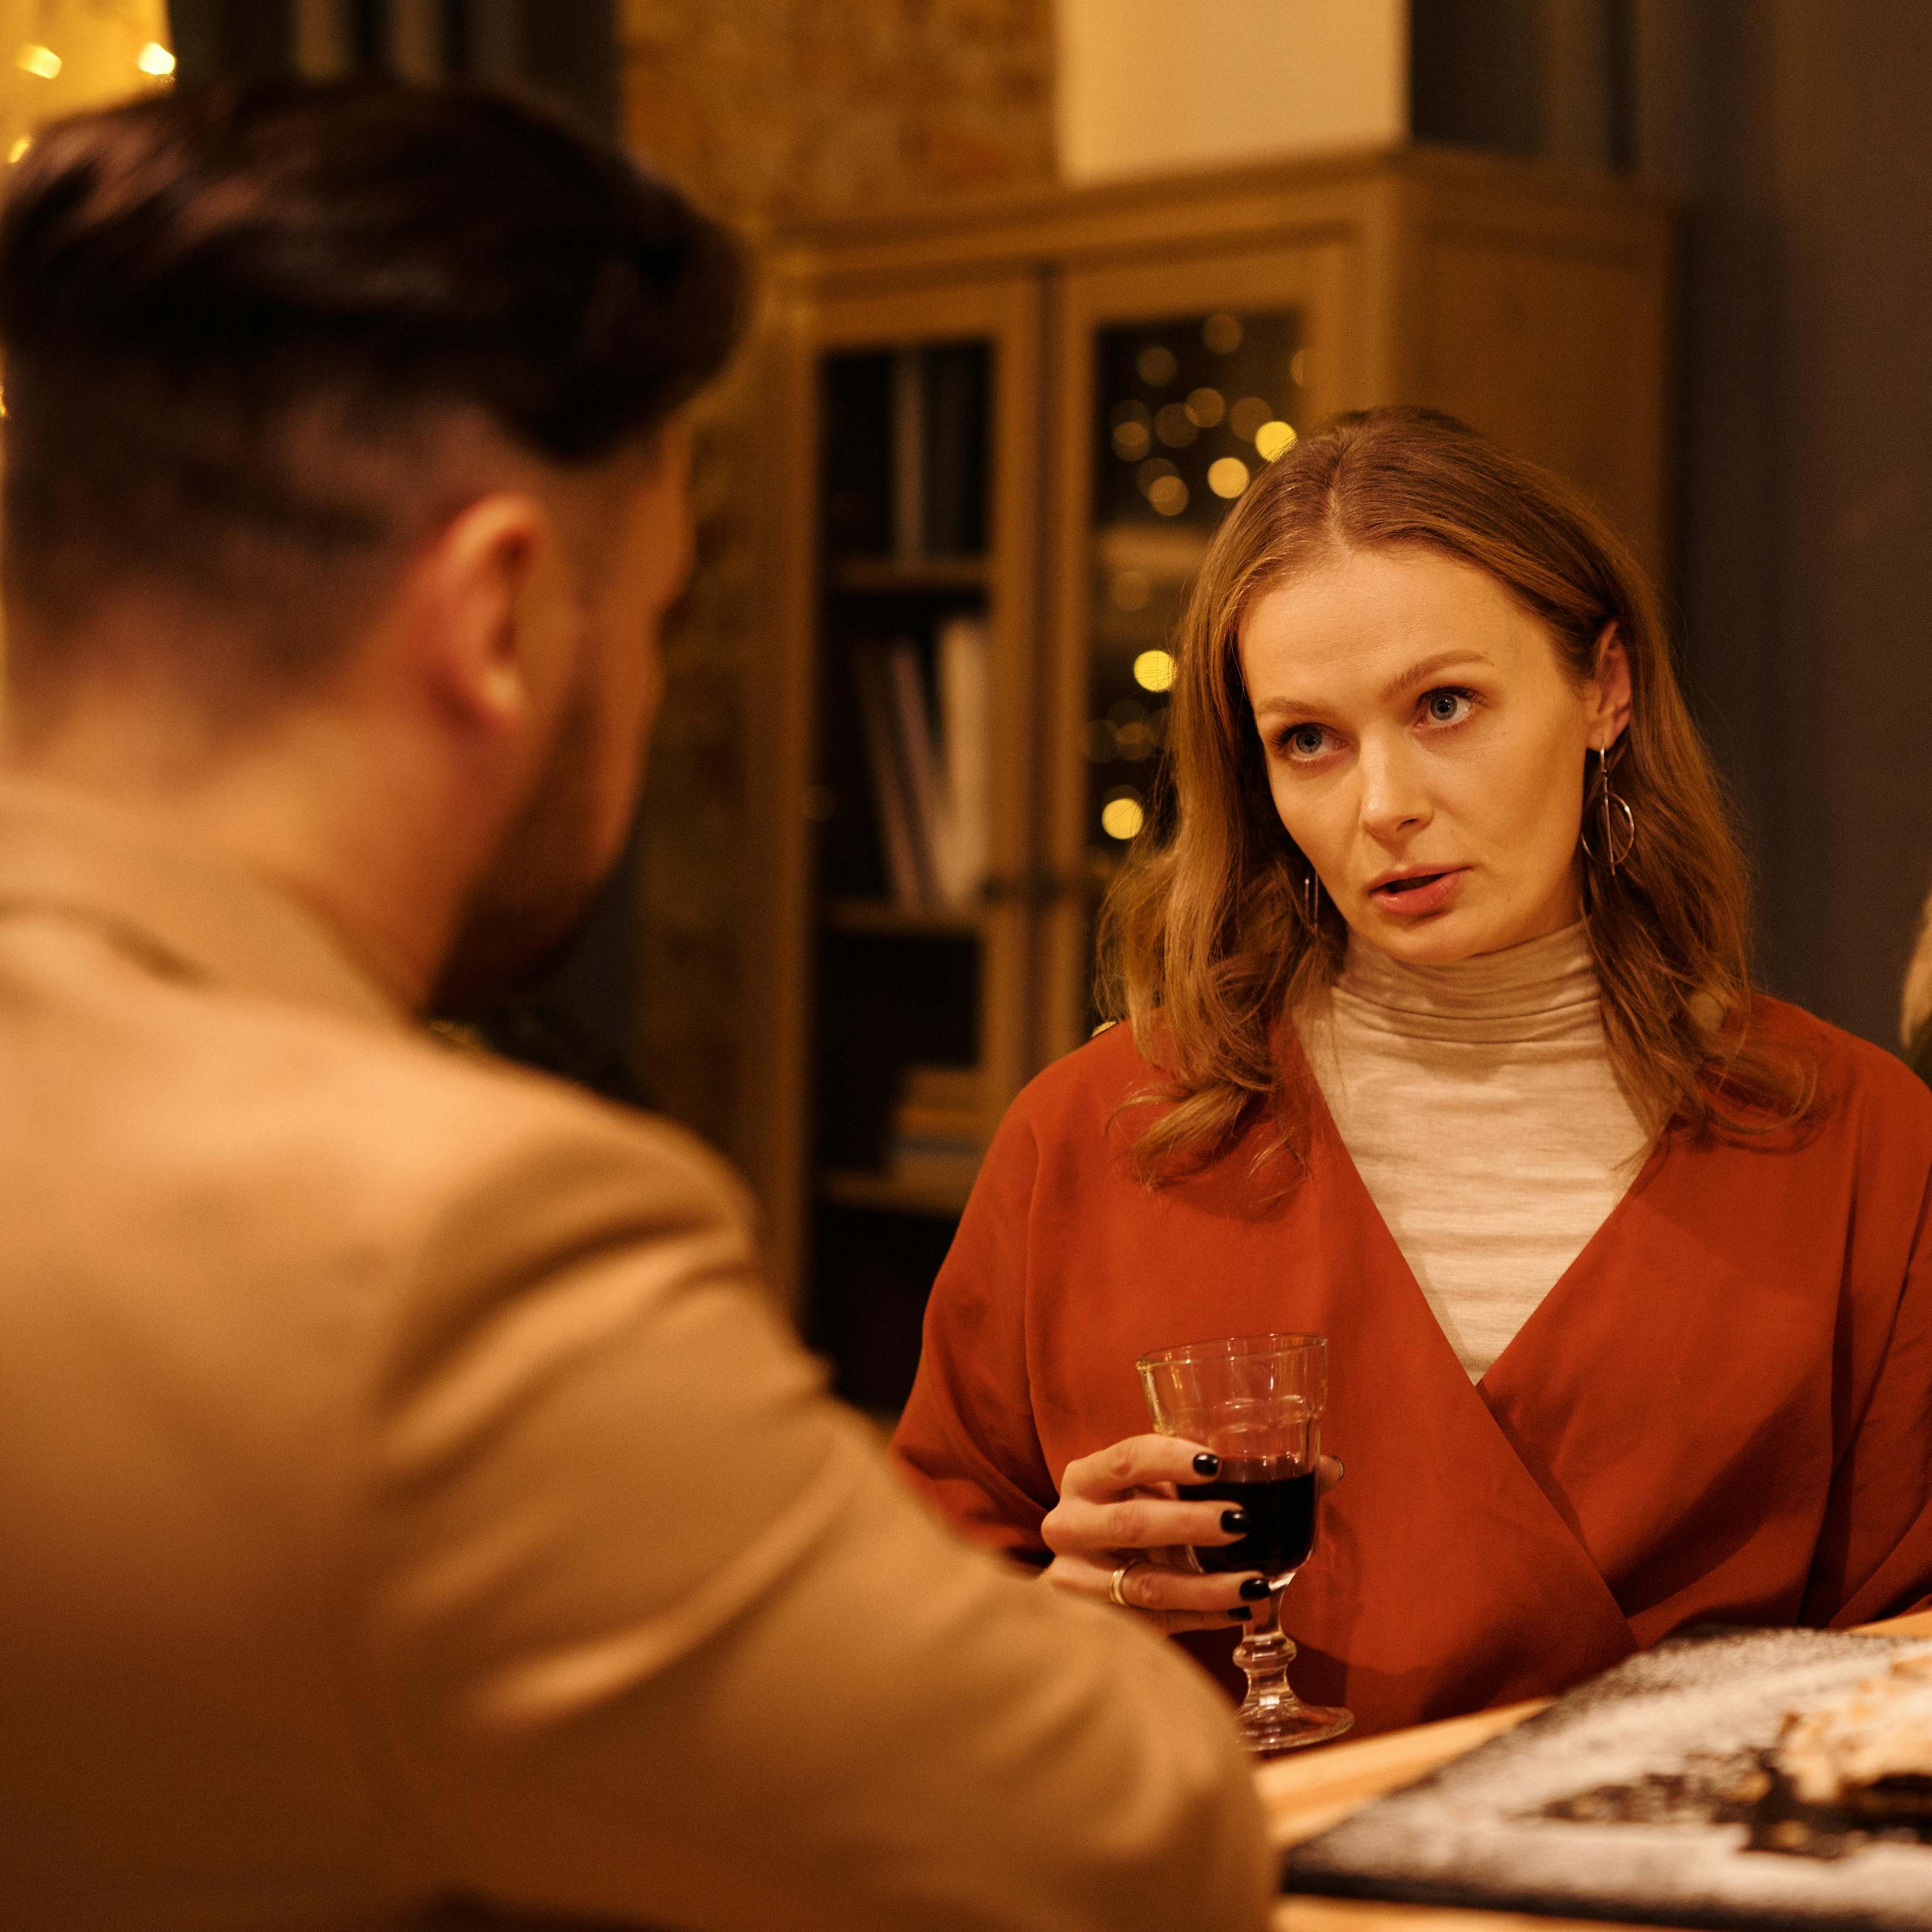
(770, 111)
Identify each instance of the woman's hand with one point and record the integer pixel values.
(1120, 1508)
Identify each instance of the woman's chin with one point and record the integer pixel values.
(1460, 932)
(1446, 940)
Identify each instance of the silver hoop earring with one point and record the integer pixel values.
(1311, 898)
(1616, 829)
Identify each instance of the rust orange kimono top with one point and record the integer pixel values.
(1722, 1412)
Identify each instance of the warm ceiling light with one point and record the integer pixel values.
(19, 148)
(155, 59)
(36, 59)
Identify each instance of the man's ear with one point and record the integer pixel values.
(1611, 690)
(490, 608)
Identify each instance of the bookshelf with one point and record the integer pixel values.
(891, 576)
(882, 1193)
(905, 569)
(1003, 433)
(884, 916)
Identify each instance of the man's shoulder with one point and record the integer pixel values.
(378, 1132)
(470, 1195)
(438, 1117)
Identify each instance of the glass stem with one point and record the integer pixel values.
(1265, 1653)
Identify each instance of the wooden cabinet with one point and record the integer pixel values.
(1028, 415)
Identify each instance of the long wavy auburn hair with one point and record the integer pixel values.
(1206, 947)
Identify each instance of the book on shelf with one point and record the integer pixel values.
(963, 654)
(938, 455)
(945, 1168)
(961, 1089)
(953, 494)
(938, 1123)
(900, 849)
(908, 455)
(918, 761)
(939, 1128)
(931, 780)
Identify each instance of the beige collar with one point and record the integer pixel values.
(1544, 989)
(183, 908)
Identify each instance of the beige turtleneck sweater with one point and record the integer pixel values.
(1478, 1104)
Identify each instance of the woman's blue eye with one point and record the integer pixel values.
(1446, 707)
(1305, 741)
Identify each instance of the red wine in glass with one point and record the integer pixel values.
(1278, 1499)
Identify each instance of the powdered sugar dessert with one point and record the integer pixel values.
(1870, 1748)
(1753, 1779)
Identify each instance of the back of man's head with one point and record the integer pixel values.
(236, 323)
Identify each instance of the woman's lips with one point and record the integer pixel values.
(1420, 893)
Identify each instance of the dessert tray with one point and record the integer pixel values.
(1746, 1778)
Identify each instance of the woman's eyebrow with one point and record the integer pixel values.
(1280, 707)
(1423, 669)
(1420, 672)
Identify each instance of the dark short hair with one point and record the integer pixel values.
(189, 282)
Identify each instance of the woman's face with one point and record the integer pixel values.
(1426, 747)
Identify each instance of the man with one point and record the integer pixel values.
(405, 1502)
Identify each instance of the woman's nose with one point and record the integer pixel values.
(1393, 797)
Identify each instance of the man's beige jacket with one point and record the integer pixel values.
(405, 1496)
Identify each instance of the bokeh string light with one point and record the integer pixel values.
(1272, 438)
(73, 55)
(1190, 410)
(1222, 334)
(70, 54)
(1153, 670)
(1123, 815)
(1227, 477)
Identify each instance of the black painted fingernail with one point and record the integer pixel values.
(1234, 1521)
(1208, 1463)
(1255, 1588)
(1241, 1613)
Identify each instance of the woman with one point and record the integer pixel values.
(1914, 1019)
(1440, 1041)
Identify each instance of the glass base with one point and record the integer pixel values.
(1275, 1725)
(1272, 1718)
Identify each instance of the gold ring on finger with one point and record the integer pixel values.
(1120, 1577)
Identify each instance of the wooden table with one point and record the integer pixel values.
(1306, 1794)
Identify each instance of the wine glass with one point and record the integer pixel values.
(1256, 1401)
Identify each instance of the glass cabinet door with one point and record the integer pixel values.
(1180, 385)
